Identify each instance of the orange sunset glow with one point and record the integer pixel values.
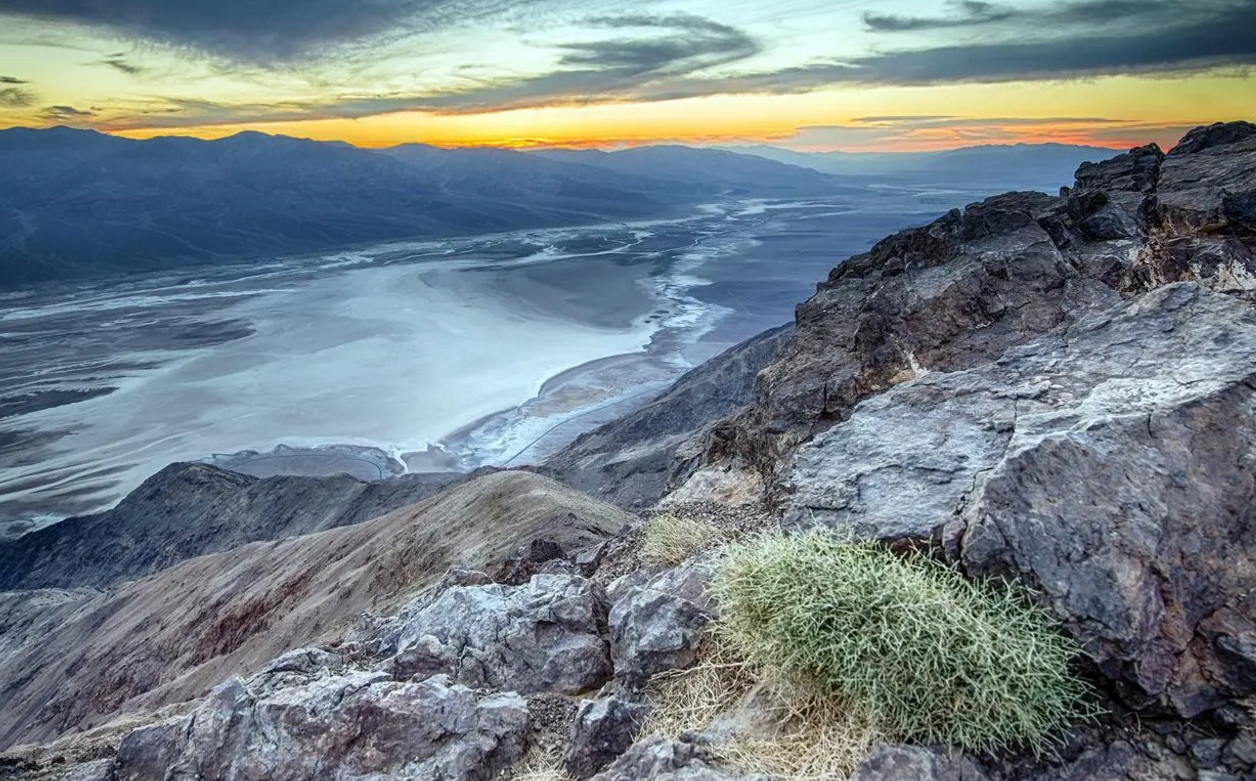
(908, 75)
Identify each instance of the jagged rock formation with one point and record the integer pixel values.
(539, 636)
(188, 510)
(629, 461)
(1057, 390)
(959, 292)
(73, 660)
(337, 727)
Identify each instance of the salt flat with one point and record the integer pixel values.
(487, 350)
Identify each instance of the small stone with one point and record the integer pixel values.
(1241, 750)
(1208, 752)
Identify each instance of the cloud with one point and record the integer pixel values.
(14, 97)
(967, 13)
(12, 80)
(120, 62)
(66, 112)
(641, 51)
(1186, 37)
(255, 31)
(972, 13)
(639, 57)
(926, 120)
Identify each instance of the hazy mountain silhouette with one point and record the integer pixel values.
(727, 172)
(1018, 166)
(76, 203)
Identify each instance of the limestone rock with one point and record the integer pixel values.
(958, 293)
(541, 636)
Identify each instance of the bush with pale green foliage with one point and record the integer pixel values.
(670, 539)
(925, 654)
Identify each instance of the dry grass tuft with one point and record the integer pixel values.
(670, 539)
(539, 765)
(796, 735)
(821, 742)
(688, 700)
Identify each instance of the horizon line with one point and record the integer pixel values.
(536, 145)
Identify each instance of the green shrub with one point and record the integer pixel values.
(927, 655)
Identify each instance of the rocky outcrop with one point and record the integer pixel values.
(544, 635)
(629, 462)
(82, 658)
(340, 728)
(450, 688)
(1055, 390)
(656, 626)
(189, 510)
(961, 291)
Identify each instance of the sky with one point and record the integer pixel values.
(814, 75)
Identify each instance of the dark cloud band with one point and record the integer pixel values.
(254, 31)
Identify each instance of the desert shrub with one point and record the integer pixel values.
(670, 539)
(925, 654)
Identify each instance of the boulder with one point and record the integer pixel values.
(335, 728)
(1207, 182)
(603, 730)
(542, 636)
(657, 626)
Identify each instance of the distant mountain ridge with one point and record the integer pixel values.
(76, 203)
(1034, 166)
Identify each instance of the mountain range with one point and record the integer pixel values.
(993, 167)
(79, 204)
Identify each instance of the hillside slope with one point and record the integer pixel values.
(69, 660)
(189, 510)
